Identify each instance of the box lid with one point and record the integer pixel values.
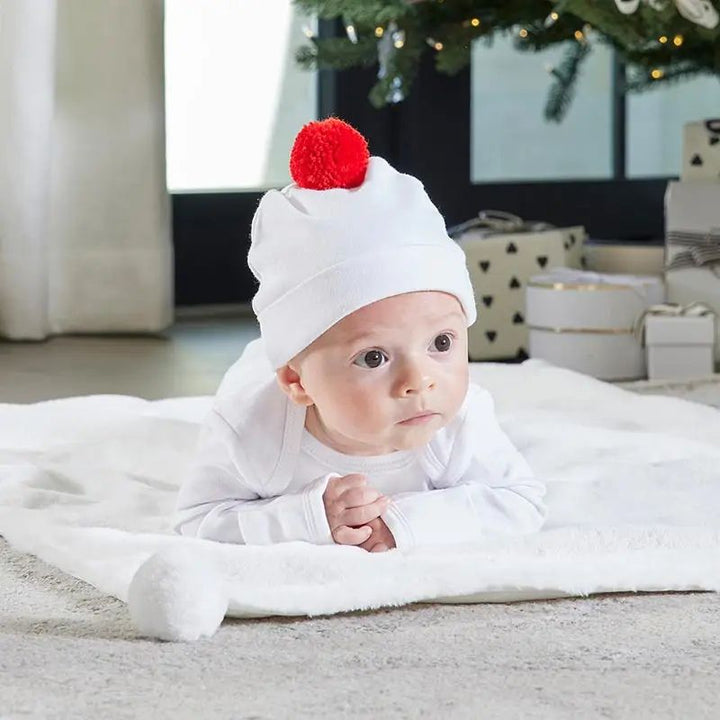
(692, 206)
(679, 330)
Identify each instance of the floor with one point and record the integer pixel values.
(68, 651)
(188, 359)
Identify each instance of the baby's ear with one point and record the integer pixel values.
(291, 384)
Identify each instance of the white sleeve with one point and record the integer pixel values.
(216, 502)
(492, 490)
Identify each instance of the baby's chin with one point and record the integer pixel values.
(413, 438)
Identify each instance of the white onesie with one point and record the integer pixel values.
(258, 476)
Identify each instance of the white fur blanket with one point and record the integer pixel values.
(88, 485)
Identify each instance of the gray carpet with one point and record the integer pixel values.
(66, 651)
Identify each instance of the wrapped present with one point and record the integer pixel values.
(625, 257)
(503, 252)
(586, 321)
(692, 245)
(701, 150)
(679, 340)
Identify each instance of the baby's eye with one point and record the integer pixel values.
(372, 358)
(443, 342)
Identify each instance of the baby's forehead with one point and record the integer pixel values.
(399, 314)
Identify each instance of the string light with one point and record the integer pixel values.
(662, 39)
(523, 33)
(551, 19)
(399, 43)
(438, 46)
(307, 30)
(678, 40)
(579, 36)
(475, 22)
(352, 35)
(379, 31)
(656, 74)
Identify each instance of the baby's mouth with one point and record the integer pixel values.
(418, 418)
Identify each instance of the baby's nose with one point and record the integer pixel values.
(416, 378)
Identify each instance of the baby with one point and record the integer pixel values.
(352, 419)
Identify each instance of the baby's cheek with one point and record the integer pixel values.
(358, 408)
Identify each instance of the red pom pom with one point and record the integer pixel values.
(329, 154)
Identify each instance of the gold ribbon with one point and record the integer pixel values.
(694, 309)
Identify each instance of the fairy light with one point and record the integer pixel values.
(307, 30)
(523, 33)
(352, 35)
(678, 40)
(656, 74)
(379, 31)
(399, 43)
(551, 19)
(663, 39)
(438, 46)
(579, 36)
(475, 22)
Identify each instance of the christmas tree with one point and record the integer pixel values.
(660, 41)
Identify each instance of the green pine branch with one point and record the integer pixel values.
(454, 25)
(565, 77)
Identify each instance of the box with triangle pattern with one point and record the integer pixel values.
(701, 150)
(500, 264)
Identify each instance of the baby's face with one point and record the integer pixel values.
(366, 376)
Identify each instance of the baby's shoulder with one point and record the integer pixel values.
(248, 388)
(249, 406)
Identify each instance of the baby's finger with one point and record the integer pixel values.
(365, 513)
(344, 535)
(337, 486)
(358, 496)
(341, 484)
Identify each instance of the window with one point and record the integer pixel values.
(655, 122)
(235, 98)
(511, 140)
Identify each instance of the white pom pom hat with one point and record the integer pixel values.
(321, 250)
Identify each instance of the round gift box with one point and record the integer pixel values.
(588, 326)
(551, 303)
(604, 355)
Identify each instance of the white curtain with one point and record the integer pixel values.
(85, 239)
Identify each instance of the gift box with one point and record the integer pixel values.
(586, 321)
(701, 150)
(625, 258)
(692, 245)
(679, 341)
(502, 253)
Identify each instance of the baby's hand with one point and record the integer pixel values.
(381, 539)
(351, 505)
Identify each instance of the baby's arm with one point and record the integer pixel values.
(217, 503)
(488, 488)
